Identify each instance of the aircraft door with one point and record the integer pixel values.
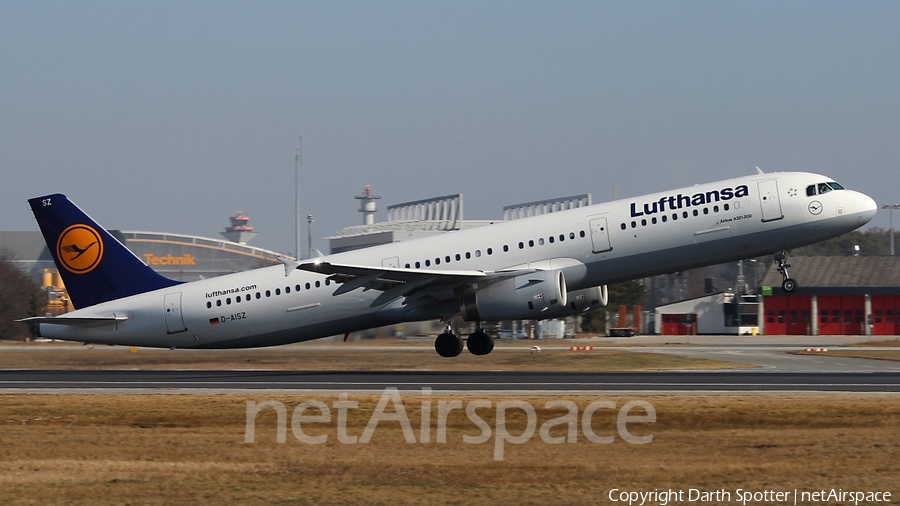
(768, 200)
(391, 262)
(174, 321)
(600, 235)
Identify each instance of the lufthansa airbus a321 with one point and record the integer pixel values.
(546, 266)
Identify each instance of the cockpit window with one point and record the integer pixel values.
(824, 188)
(811, 190)
(835, 186)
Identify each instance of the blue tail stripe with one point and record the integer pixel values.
(94, 266)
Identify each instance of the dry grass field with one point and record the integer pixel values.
(190, 449)
(350, 358)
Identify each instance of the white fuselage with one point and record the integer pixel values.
(600, 244)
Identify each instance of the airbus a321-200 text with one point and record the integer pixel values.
(547, 266)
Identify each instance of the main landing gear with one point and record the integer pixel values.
(449, 344)
(789, 284)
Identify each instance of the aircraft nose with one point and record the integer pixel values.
(865, 207)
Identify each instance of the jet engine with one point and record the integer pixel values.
(523, 297)
(581, 301)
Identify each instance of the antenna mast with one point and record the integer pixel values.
(298, 160)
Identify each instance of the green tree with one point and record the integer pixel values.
(628, 293)
(20, 297)
(872, 242)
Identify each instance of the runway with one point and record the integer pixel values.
(160, 381)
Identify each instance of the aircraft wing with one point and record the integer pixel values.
(395, 282)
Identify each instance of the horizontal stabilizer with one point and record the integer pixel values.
(95, 321)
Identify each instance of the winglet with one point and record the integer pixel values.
(95, 267)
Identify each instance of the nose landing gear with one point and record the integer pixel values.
(788, 284)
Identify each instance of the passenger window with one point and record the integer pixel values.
(437, 261)
(653, 220)
(530, 243)
(643, 223)
(406, 266)
(725, 207)
(541, 241)
(562, 238)
(490, 251)
(705, 210)
(287, 289)
(633, 225)
(268, 293)
(571, 235)
(551, 237)
(664, 218)
(478, 253)
(696, 213)
(458, 257)
(505, 249)
(418, 265)
(811, 190)
(317, 285)
(228, 301)
(208, 305)
(581, 233)
(521, 245)
(258, 295)
(427, 263)
(684, 214)
(715, 209)
(218, 303)
(237, 299)
(327, 282)
(278, 291)
(468, 255)
(674, 216)
(307, 286)
(623, 228)
(447, 259)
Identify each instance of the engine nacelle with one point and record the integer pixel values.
(525, 297)
(581, 301)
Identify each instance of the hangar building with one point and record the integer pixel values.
(855, 295)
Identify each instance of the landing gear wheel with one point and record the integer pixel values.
(789, 285)
(448, 345)
(480, 343)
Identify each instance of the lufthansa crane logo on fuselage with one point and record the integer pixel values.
(79, 249)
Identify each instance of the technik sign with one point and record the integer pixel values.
(681, 201)
(186, 259)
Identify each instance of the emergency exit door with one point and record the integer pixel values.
(174, 321)
(769, 201)
(600, 235)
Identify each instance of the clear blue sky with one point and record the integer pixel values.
(169, 116)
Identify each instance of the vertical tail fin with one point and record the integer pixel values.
(94, 266)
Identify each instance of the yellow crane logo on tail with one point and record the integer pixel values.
(79, 249)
